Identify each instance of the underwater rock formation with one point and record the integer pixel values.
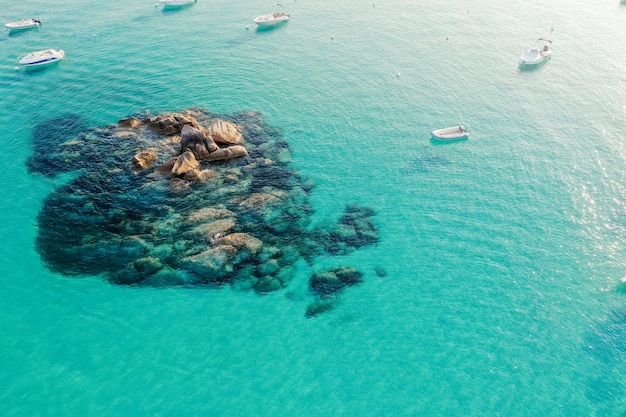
(190, 198)
(328, 284)
(334, 280)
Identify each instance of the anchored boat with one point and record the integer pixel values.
(23, 24)
(537, 54)
(271, 19)
(451, 133)
(41, 58)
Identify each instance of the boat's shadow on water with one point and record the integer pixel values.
(17, 33)
(269, 29)
(426, 163)
(444, 142)
(144, 18)
(176, 9)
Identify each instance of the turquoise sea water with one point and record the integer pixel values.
(503, 253)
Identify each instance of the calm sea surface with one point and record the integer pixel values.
(504, 253)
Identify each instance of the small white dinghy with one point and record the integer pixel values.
(451, 133)
(537, 54)
(23, 24)
(41, 58)
(271, 19)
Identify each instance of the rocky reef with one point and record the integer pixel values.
(186, 199)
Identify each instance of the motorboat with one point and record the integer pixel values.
(271, 19)
(23, 24)
(176, 2)
(451, 133)
(538, 54)
(41, 58)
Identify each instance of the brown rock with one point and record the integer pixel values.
(225, 132)
(143, 159)
(196, 141)
(195, 175)
(210, 144)
(170, 124)
(166, 168)
(190, 135)
(186, 162)
(227, 153)
(129, 122)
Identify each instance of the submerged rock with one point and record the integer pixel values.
(57, 136)
(242, 241)
(334, 280)
(186, 199)
(327, 286)
(320, 306)
(131, 122)
(380, 271)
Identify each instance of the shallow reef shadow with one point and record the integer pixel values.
(426, 163)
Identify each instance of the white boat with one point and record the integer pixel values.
(176, 2)
(271, 19)
(537, 54)
(23, 24)
(40, 58)
(451, 133)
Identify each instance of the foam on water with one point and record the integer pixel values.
(502, 253)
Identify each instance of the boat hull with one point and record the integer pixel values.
(528, 59)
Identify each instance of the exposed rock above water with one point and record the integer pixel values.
(189, 198)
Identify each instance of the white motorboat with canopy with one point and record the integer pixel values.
(271, 19)
(538, 54)
(23, 24)
(41, 58)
